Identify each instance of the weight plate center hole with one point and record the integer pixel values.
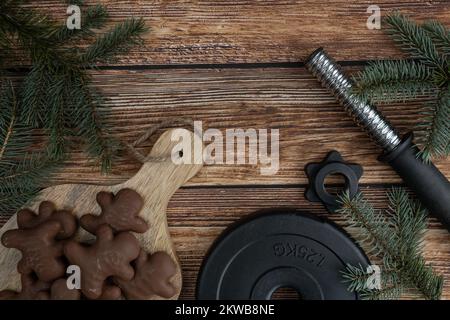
(335, 184)
(286, 293)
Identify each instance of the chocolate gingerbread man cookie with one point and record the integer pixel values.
(41, 252)
(153, 275)
(27, 219)
(120, 212)
(109, 256)
(32, 289)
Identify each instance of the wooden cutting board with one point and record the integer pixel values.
(156, 182)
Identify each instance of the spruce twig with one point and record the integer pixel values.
(426, 74)
(396, 238)
(394, 81)
(21, 173)
(118, 40)
(58, 91)
(434, 136)
(56, 95)
(439, 34)
(415, 41)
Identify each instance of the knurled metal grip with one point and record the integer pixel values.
(329, 73)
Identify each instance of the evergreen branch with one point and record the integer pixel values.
(357, 279)
(434, 129)
(86, 115)
(439, 34)
(399, 81)
(389, 240)
(56, 95)
(394, 81)
(374, 229)
(118, 40)
(33, 30)
(391, 292)
(33, 95)
(415, 41)
(13, 137)
(6, 135)
(19, 182)
(409, 219)
(56, 122)
(418, 274)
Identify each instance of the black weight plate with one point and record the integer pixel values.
(254, 258)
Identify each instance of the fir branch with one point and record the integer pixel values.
(428, 75)
(86, 114)
(415, 41)
(19, 179)
(118, 40)
(409, 219)
(396, 238)
(33, 95)
(33, 30)
(434, 134)
(377, 235)
(390, 292)
(394, 81)
(22, 180)
(55, 122)
(13, 136)
(8, 126)
(440, 35)
(56, 95)
(357, 279)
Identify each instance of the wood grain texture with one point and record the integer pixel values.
(149, 85)
(310, 121)
(250, 31)
(156, 182)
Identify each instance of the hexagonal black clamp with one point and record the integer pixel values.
(333, 164)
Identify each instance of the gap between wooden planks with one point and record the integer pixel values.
(197, 216)
(310, 121)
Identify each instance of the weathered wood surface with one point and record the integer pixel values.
(197, 216)
(268, 88)
(289, 99)
(232, 31)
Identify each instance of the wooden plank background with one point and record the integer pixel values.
(239, 64)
